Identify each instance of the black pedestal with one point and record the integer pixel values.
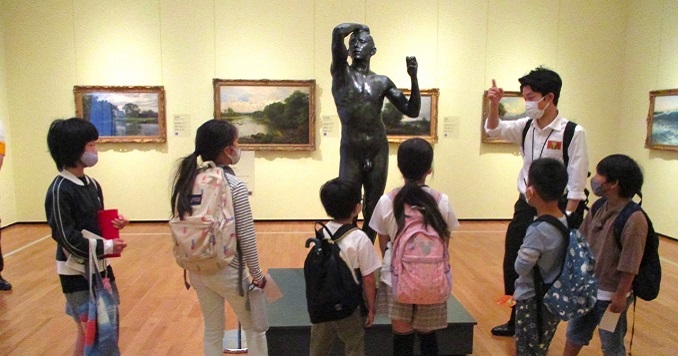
(290, 326)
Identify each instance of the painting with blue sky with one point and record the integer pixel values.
(663, 120)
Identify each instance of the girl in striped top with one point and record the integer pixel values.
(217, 141)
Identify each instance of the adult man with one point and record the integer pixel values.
(359, 96)
(4, 285)
(543, 134)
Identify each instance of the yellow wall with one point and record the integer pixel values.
(460, 45)
(651, 63)
(8, 212)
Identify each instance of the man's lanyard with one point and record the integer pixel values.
(542, 146)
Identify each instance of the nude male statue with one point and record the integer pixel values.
(359, 96)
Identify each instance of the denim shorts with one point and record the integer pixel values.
(580, 330)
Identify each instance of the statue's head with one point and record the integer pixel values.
(361, 45)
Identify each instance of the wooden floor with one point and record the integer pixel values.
(160, 317)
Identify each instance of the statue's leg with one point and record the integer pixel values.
(375, 183)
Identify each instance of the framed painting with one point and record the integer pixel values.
(400, 127)
(123, 113)
(271, 115)
(511, 107)
(662, 120)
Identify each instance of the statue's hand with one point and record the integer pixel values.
(412, 66)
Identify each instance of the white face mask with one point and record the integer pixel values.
(532, 109)
(89, 159)
(235, 158)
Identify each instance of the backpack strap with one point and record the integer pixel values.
(567, 139)
(597, 205)
(342, 231)
(525, 129)
(556, 223)
(538, 280)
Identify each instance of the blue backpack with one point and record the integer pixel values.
(573, 292)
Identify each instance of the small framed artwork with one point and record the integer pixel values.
(511, 107)
(400, 127)
(123, 113)
(662, 120)
(271, 115)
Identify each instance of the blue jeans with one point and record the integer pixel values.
(580, 330)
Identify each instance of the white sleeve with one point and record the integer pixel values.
(578, 166)
(510, 130)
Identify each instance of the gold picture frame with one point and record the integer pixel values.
(662, 120)
(123, 113)
(400, 127)
(271, 115)
(511, 107)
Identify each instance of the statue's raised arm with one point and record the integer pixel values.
(412, 106)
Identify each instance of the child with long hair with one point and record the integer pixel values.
(217, 141)
(415, 157)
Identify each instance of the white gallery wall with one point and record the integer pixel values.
(609, 54)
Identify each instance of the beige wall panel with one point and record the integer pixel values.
(117, 43)
(402, 29)
(40, 64)
(462, 77)
(590, 56)
(264, 39)
(651, 49)
(8, 212)
(521, 35)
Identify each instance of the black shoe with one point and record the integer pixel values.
(4, 285)
(507, 329)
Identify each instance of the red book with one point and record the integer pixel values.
(108, 231)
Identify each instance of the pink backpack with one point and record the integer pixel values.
(420, 264)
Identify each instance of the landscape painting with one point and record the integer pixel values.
(400, 127)
(662, 120)
(125, 113)
(269, 114)
(511, 107)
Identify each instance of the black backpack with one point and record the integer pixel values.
(331, 290)
(647, 281)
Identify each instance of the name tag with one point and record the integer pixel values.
(554, 145)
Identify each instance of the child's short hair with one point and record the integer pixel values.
(548, 176)
(339, 198)
(67, 139)
(622, 169)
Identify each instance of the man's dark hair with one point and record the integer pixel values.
(67, 139)
(543, 80)
(624, 170)
(548, 176)
(339, 198)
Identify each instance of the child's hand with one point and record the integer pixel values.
(118, 246)
(120, 222)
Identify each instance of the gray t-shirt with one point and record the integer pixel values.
(543, 245)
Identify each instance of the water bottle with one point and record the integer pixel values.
(257, 302)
